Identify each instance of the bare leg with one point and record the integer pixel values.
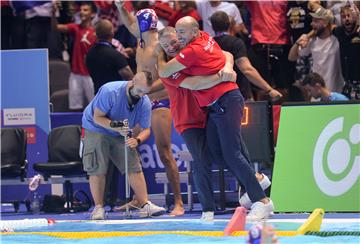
(161, 126)
(138, 184)
(97, 188)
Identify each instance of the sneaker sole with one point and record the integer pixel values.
(161, 212)
(246, 202)
(146, 215)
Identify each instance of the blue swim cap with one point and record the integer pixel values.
(254, 235)
(147, 20)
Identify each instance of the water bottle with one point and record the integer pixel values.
(35, 204)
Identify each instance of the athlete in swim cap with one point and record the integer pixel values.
(143, 26)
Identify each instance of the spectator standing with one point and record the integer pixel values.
(270, 43)
(349, 40)
(81, 86)
(13, 34)
(207, 8)
(38, 21)
(324, 48)
(103, 61)
(220, 22)
(107, 10)
(299, 20)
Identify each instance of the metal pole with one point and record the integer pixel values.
(125, 127)
(127, 185)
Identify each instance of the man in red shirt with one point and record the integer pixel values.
(80, 83)
(190, 119)
(202, 56)
(270, 44)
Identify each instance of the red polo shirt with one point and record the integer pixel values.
(203, 56)
(184, 108)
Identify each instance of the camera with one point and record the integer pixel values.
(119, 123)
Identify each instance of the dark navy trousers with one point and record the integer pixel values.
(223, 132)
(195, 139)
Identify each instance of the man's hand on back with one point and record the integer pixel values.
(227, 74)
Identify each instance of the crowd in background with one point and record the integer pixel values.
(285, 40)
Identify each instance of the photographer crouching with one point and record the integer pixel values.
(118, 101)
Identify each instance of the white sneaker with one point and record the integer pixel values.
(98, 213)
(245, 200)
(150, 209)
(260, 211)
(207, 216)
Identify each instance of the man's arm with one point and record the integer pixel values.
(101, 119)
(158, 95)
(302, 42)
(241, 28)
(227, 73)
(126, 73)
(157, 85)
(205, 82)
(166, 69)
(128, 19)
(237, 24)
(135, 141)
(254, 77)
(294, 52)
(157, 90)
(54, 23)
(201, 82)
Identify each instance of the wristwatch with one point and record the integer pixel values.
(138, 140)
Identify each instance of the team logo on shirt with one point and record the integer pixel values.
(210, 45)
(181, 55)
(175, 76)
(84, 38)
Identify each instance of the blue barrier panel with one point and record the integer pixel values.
(25, 103)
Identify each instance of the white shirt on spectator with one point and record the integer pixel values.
(326, 61)
(205, 11)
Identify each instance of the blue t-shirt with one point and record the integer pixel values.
(334, 96)
(112, 100)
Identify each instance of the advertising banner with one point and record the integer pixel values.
(317, 163)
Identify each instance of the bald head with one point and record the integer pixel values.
(188, 21)
(104, 30)
(187, 29)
